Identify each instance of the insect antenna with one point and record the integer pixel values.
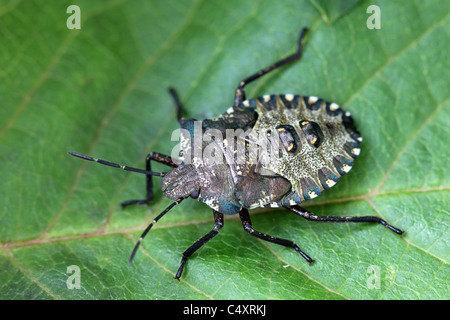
(115, 165)
(151, 225)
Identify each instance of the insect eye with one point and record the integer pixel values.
(312, 132)
(195, 194)
(289, 138)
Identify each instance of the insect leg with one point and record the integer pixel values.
(312, 217)
(218, 224)
(247, 224)
(178, 104)
(240, 91)
(158, 157)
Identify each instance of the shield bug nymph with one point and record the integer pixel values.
(312, 143)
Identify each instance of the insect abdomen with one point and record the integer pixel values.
(318, 141)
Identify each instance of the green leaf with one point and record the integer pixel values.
(102, 90)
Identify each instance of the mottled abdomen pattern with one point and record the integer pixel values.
(318, 142)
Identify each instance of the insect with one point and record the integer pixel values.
(316, 143)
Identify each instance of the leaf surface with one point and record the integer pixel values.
(102, 90)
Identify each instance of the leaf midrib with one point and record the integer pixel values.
(130, 230)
